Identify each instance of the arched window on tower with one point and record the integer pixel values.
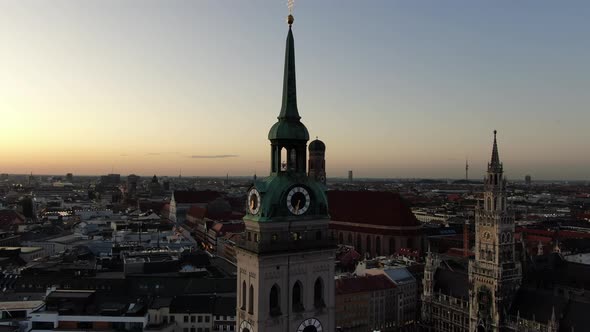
(495, 203)
(296, 300)
(340, 238)
(275, 301)
(318, 293)
(349, 239)
(378, 246)
(251, 300)
(243, 307)
(489, 203)
(293, 160)
(283, 159)
(368, 245)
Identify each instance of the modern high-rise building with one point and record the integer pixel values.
(350, 176)
(528, 180)
(285, 260)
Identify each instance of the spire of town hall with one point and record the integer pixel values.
(495, 163)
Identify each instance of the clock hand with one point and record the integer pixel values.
(297, 206)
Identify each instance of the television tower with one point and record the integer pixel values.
(466, 170)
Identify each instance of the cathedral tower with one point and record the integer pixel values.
(317, 161)
(285, 259)
(495, 274)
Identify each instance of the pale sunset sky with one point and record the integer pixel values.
(394, 88)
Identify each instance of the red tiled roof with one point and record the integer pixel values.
(192, 196)
(145, 205)
(370, 207)
(408, 252)
(232, 236)
(222, 228)
(573, 235)
(363, 284)
(10, 218)
(453, 197)
(536, 238)
(348, 257)
(459, 252)
(372, 230)
(561, 234)
(197, 212)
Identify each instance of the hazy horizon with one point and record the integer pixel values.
(398, 89)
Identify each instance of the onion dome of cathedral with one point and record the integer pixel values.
(317, 146)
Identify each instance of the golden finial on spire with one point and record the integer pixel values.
(290, 4)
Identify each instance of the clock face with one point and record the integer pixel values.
(310, 325)
(298, 200)
(253, 201)
(245, 327)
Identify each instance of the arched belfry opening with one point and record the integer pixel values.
(288, 158)
(251, 300)
(318, 293)
(283, 162)
(297, 297)
(275, 301)
(243, 296)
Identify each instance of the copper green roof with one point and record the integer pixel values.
(289, 127)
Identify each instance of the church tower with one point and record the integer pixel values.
(285, 259)
(317, 161)
(495, 274)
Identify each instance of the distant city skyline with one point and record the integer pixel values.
(395, 89)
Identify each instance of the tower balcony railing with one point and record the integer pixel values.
(291, 245)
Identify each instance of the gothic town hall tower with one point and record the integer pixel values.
(285, 258)
(495, 274)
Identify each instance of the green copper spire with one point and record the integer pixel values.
(289, 105)
(289, 127)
